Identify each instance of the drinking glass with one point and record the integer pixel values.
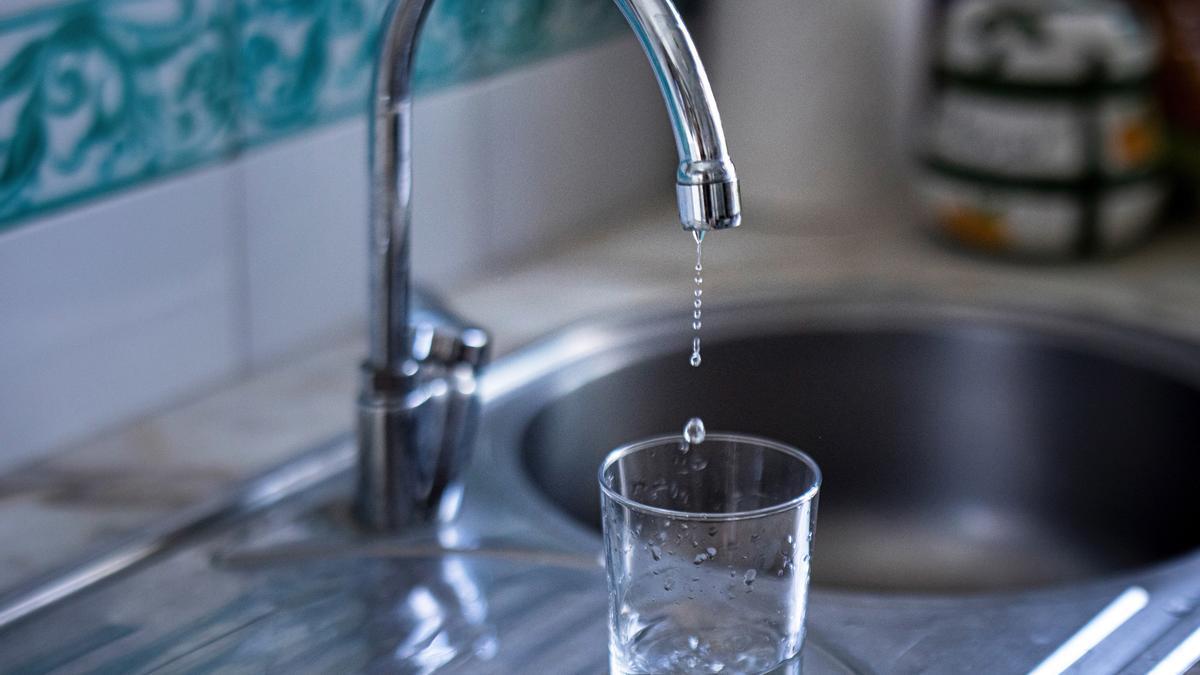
(707, 547)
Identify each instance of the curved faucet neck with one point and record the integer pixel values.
(706, 183)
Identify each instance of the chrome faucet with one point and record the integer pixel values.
(417, 407)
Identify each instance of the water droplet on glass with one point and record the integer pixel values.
(655, 552)
(668, 585)
(748, 579)
(693, 431)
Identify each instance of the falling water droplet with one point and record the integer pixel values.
(695, 360)
(693, 431)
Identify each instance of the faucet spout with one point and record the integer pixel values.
(706, 184)
(404, 476)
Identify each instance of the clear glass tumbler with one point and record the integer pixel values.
(707, 548)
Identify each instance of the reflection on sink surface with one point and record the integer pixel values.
(961, 450)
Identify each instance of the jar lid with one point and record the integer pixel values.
(1048, 42)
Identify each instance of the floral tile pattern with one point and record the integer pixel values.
(96, 95)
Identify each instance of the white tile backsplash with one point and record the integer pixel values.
(114, 309)
(306, 240)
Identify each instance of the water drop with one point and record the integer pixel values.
(668, 584)
(713, 530)
(695, 360)
(748, 579)
(655, 552)
(696, 314)
(696, 325)
(693, 643)
(699, 559)
(693, 431)
(710, 551)
(698, 292)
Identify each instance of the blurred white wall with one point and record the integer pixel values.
(814, 94)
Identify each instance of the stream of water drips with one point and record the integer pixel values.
(697, 299)
(693, 431)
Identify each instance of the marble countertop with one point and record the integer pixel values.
(90, 497)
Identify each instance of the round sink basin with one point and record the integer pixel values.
(962, 450)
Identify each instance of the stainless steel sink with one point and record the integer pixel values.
(963, 449)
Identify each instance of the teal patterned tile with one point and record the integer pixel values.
(97, 95)
(302, 62)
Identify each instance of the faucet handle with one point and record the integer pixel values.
(417, 429)
(447, 345)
